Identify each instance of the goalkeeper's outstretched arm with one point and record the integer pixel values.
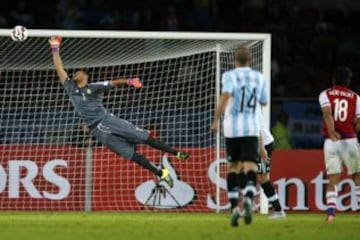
(55, 42)
(135, 82)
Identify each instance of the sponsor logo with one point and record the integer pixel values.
(158, 194)
(20, 174)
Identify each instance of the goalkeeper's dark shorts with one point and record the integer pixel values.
(242, 149)
(265, 167)
(119, 135)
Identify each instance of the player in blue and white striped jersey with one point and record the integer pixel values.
(248, 91)
(244, 91)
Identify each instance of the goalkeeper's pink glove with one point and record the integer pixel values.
(135, 82)
(55, 42)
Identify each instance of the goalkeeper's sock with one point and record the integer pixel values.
(160, 145)
(145, 163)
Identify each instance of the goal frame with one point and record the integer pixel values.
(265, 37)
(266, 63)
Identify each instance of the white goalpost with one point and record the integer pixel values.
(48, 160)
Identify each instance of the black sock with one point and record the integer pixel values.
(233, 189)
(160, 145)
(270, 193)
(145, 163)
(250, 189)
(242, 180)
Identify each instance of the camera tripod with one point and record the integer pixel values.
(158, 193)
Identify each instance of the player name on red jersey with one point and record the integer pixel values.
(337, 92)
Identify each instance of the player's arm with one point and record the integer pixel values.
(329, 121)
(263, 152)
(135, 82)
(224, 98)
(55, 42)
(357, 125)
(328, 116)
(227, 89)
(264, 98)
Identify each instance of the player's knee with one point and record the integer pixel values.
(250, 166)
(262, 178)
(233, 167)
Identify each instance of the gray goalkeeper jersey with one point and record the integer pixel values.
(88, 101)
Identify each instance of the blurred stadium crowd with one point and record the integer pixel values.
(308, 37)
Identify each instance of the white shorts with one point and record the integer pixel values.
(342, 151)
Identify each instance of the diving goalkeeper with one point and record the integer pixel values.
(119, 135)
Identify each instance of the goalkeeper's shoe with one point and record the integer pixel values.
(166, 177)
(182, 155)
(235, 215)
(248, 210)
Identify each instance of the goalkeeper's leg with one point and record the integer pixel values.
(145, 163)
(126, 149)
(163, 174)
(164, 147)
(127, 131)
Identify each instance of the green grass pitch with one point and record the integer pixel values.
(172, 226)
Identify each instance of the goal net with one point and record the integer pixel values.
(49, 161)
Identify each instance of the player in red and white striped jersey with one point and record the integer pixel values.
(340, 107)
